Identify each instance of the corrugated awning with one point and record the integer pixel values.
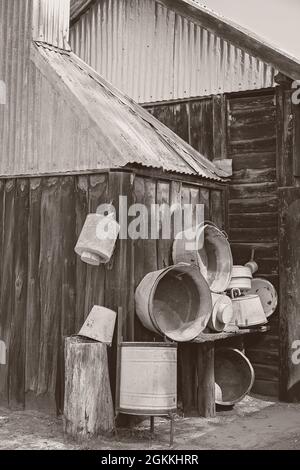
(125, 132)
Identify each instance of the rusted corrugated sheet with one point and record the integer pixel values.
(153, 54)
(71, 120)
(51, 20)
(93, 126)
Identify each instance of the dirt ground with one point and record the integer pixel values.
(253, 424)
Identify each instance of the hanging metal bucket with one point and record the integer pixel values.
(209, 249)
(234, 376)
(174, 302)
(97, 240)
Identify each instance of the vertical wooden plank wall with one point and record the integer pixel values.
(244, 127)
(253, 212)
(46, 292)
(289, 289)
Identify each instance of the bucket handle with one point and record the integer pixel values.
(235, 293)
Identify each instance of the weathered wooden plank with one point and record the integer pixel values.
(7, 286)
(262, 251)
(267, 342)
(252, 103)
(284, 136)
(81, 201)
(50, 287)
(205, 200)
(195, 202)
(248, 191)
(164, 244)
(174, 116)
(2, 215)
(219, 127)
(118, 276)
(95, 278)
(217, 209)
(296, 141)
(118, 284)
(33, 310)
(254, 161)
(206, 380)
(175, 201)
(246, 146)
(201, 127)
(266, 256)
(289, 262)
(266, 234)
(249, 175)
(266, 388)
(187, 376)
(17, 344)
(263, 356)
(266, 371)
(257, 130)
(68, 260)
(145, 251)
(254, 205)
(265, 219)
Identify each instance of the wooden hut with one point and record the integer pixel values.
(229, 95)
(69, 142)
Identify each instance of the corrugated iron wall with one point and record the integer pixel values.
(51, 22)
(15, 35)
(20, 120)
(153, 54)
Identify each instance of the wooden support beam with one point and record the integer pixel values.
(206, 380)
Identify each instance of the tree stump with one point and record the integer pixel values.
(88, 406)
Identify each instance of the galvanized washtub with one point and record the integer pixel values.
(234, 376)
(174, 302)
(148, 384)
(208, 248)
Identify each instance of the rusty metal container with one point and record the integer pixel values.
(248, 311)
(174, 302)
(234, 376)
(241, 278)
(99, 325)
(148, 383)
(209, 249)
(97, 240)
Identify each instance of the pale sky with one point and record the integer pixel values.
(276, 21)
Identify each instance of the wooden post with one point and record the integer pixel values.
(206, 380)
(88, 409)
(289, 334)
(187, 374)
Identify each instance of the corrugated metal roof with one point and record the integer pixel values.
(153, 54)
(281, 30)
(120, 131)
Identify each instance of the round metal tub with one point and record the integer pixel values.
(148, 385)
(234, 376)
